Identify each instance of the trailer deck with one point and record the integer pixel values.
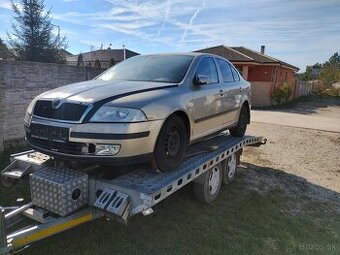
(121, 197)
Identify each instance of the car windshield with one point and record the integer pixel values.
(154, 68)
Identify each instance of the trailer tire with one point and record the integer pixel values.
(229, 167)
(209, 184)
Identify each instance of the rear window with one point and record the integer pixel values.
(225, 70)
(235, 73)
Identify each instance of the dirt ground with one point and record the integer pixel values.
(317, 114)
(297, 161)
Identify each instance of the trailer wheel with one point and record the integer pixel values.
(229, 167)
(209, 184)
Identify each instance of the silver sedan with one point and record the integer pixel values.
(147, 108)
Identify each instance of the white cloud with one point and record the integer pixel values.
(192, 20)
(295, 26)
(4, 4)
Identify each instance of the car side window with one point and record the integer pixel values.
(207, 67)
(235, 73)
(225, 70)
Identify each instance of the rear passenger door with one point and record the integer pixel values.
(230, 84)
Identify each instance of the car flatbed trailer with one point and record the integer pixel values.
(65, 196)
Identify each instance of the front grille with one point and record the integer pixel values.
(66, 111)
(63, 147)
(52, 138)
(49, 133)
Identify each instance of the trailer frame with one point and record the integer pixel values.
(119, 198)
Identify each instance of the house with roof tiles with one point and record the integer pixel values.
(262, 71)
(106, 57)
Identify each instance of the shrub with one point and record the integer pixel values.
(326, 91)
(283, 92)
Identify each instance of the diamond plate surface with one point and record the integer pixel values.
(55, 189)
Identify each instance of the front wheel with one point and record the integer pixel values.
(171, 144)
(241, 127)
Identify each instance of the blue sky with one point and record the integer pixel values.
(300, 32)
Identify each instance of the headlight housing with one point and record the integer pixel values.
(28, 114)
(109, 113)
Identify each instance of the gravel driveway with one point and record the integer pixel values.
(321, 114)
(297, 161)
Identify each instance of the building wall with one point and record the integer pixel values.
(262, 78)
(21, 81)
(261, 93)
(285, 75)
(260, 73)
(265, 73)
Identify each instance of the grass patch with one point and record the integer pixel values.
(237, 223)
(240, 221)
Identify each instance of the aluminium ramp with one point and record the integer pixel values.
(146, 188)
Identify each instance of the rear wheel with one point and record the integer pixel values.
(209, 184)
(241, 127)
(229, 167)
(171, 144)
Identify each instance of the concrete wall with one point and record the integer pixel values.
(21, 81)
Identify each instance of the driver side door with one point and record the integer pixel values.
(207, 99)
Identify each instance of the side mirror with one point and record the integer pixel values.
(201, 79)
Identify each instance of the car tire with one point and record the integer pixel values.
(240, 129)
(208, 185)
(171, 144)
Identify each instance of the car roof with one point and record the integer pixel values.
(193, 54)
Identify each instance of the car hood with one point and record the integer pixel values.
(97, 90)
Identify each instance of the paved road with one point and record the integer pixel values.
(310, 121)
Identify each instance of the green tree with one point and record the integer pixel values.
(5, 53)
(32, 38)
(330, 72)
(306, 76)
